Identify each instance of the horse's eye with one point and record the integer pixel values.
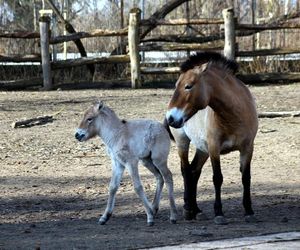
(188, 86)
(90, 119)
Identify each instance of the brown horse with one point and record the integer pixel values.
(216, 112)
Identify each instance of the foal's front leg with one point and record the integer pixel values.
(117, 173)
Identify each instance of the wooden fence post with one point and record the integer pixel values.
(229, 30)
(44, 39)
(133, 46)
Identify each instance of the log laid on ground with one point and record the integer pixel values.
(40, 120)
(279, 114)
(33, 121)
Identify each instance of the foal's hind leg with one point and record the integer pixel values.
(134, 173)
(167, 175)
(159, 183)
(117, 173)
(245, 161)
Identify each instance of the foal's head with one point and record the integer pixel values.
(89, 126)
(192, 92)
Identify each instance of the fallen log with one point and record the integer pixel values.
(40, 120)
(279, 114)
(33, 121)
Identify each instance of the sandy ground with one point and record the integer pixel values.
(53, 189)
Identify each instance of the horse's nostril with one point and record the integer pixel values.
(170, 119)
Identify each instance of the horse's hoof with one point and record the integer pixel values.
(189, 214)
(220, 220)
(251, 218)
(173, 221)
(150, 224)
(201, 216)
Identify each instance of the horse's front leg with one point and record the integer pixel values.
(217, 180)
(191, 174)
(138, 187)
(245, 161)
(117, 173)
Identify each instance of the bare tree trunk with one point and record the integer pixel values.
(160, 14)
(71, 30)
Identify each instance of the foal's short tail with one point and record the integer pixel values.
(167, 127)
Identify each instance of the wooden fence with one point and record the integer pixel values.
(227, 44)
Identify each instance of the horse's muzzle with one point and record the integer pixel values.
(175, 123)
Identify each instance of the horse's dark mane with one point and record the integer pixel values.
(207, 56)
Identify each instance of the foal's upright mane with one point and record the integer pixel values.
(209, 57)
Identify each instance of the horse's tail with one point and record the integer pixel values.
(167, 127)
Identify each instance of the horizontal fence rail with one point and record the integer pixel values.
(224, 40)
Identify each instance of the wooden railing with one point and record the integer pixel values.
(226, 42)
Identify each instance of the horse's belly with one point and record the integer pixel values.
(196, 129)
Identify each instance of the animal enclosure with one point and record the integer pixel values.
(263, 46)
(52, 187)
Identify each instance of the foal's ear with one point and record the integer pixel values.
(201, 68)
(99, 105)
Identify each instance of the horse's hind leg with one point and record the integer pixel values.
(245, 168)
(167, 175)
(159, 183)
(117, 173)
(134, 173)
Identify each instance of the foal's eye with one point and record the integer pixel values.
(89, 120)
(188, 86)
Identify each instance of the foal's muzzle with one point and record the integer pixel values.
(79, 137)
(80, 134)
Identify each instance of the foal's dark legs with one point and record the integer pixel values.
(191, 173)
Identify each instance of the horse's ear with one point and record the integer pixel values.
(99, 105)
(201, 68)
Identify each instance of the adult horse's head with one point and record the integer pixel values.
(88, 127)
(193, 91)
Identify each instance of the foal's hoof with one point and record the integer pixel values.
(101, 222)
(150, 224)
(173, 221)
(220, 220)
(251, 218)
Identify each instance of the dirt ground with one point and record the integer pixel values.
(53, 189)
